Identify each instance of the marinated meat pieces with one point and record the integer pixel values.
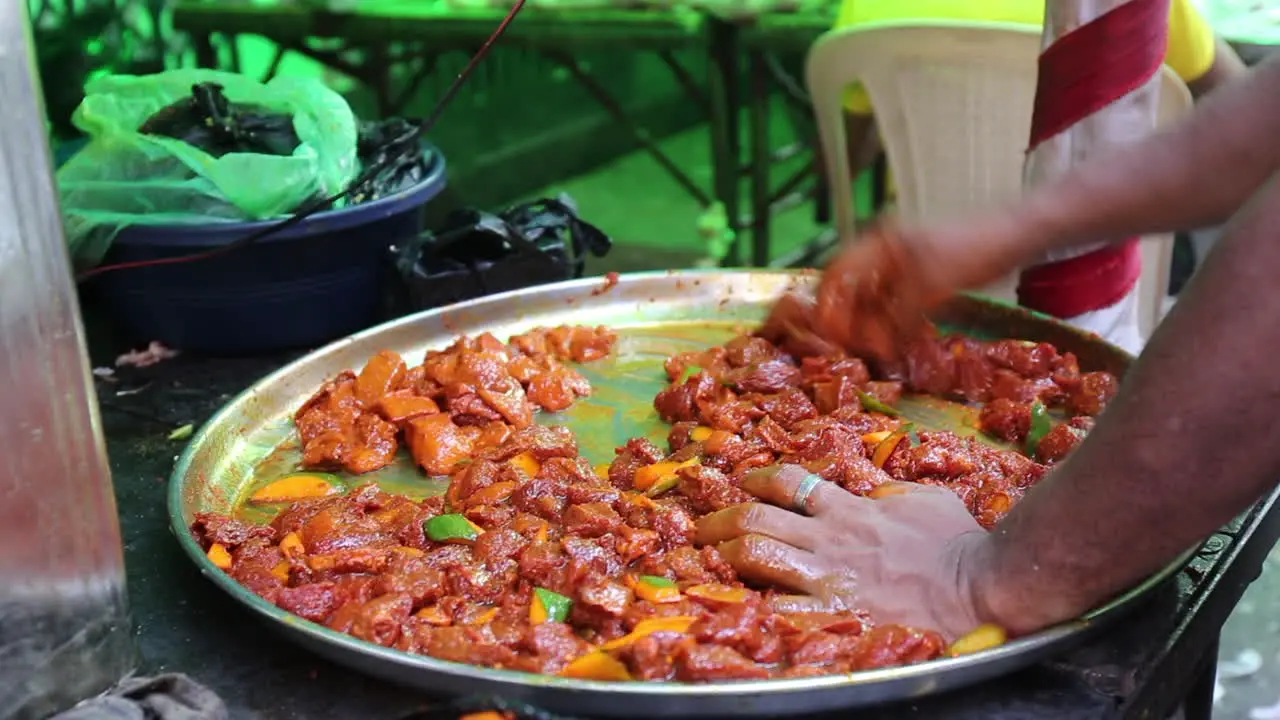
(1006, 419)
(458, 401)
(567, 343)
(534, 560)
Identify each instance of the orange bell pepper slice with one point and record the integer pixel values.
(655, 589)
(596, 666)
(485, 617)
(876, 438)
(295, 487)
(645, 628)
(885, 449)
(291, 545)
(527, 462)
(493, 494)
(434, 616)
(219, 556)
(715, 592)
(984, 637)
(650, 475)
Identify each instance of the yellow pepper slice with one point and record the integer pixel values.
(885, 449)
(655, 589)
(291, 545)
(602, 471)
(492, 495)
(219, 556)
(715, 592)
(640, 501)
(485, 617)
(434, 616)
(700, 433)
(984, 638)
(527, 462)
(876, 438)
(281, 571)
(596, 666)
(645, 628)
(292, 488)
(650, 475)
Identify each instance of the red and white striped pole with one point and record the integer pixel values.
(1098, 86)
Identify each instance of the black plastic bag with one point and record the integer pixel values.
(209, 121)
(480, 253)
(394, 145)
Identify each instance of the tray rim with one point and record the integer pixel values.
(979, 666)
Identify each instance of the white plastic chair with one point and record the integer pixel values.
(953, 103)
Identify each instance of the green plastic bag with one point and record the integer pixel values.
(123, 178)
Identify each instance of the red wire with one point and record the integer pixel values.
(430, 122)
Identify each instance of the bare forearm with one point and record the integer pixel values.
(1192, 174)
(1188, 444)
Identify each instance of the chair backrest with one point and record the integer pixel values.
(952, 102)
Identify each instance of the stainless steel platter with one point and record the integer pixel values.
(656, 315)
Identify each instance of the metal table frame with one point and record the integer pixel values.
(390, 39)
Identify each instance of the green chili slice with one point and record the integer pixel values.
(657, 581)
(452, 529)
(872, 403)
(549, 607)
(1041, 424)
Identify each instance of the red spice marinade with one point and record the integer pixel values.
(557, 567)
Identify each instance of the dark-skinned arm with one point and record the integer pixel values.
(1190, 442)
(1192, 174)
(1227, 67)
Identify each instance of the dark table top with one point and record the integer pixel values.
(1140, 668)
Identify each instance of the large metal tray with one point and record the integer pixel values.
(658, 314)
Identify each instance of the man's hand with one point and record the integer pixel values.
(906, 557)
(873, 297)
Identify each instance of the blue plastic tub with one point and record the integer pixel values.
(310, 284)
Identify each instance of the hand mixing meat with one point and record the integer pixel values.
(877, 555)
(873, 297)
(1154, 477)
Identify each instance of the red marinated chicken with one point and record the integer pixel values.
(535, 561)
(458, 401)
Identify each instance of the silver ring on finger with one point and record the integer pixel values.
(804, 492)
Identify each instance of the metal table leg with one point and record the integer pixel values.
(761, 158)
(1198, 705)
(725, 106)
(206, 55)
(611, 105)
